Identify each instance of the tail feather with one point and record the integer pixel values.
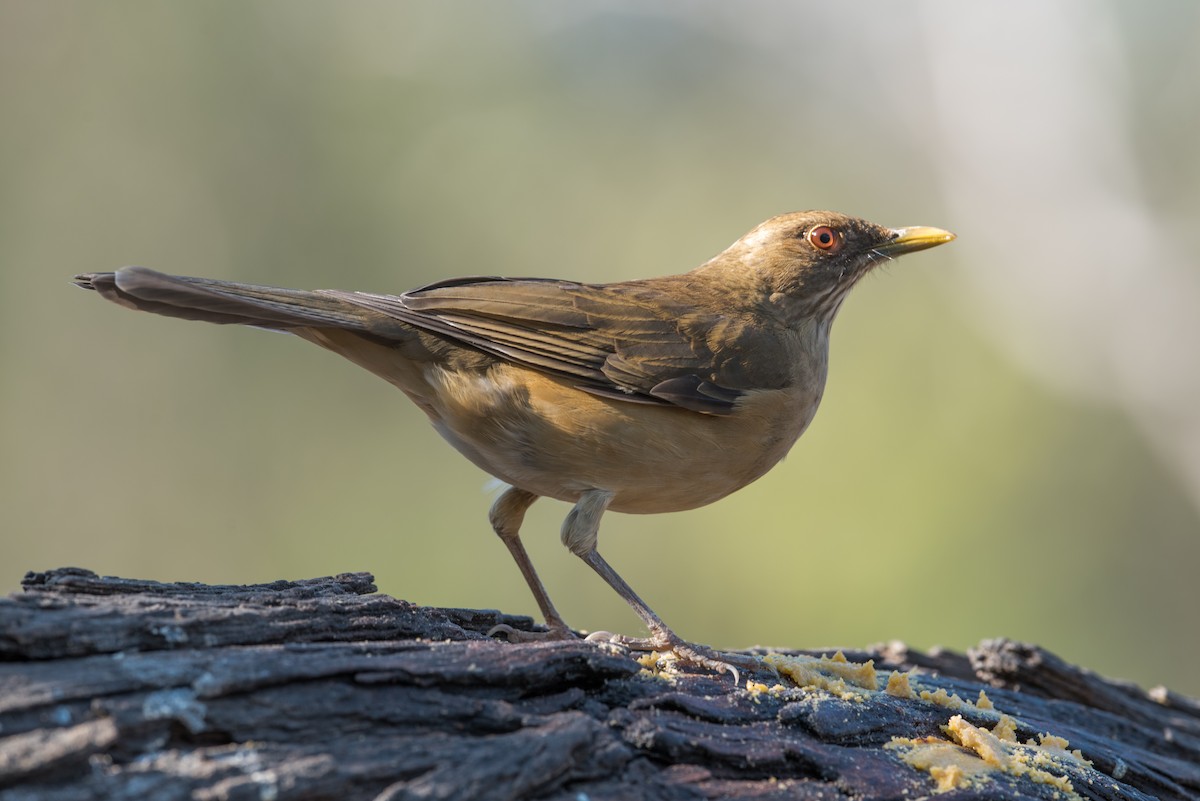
(223, 302)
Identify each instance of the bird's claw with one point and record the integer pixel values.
(664, 642)
(687, 652)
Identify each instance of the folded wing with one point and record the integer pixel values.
(624, 341)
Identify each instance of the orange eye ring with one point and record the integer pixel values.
(822, 237)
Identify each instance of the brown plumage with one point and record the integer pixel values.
(641, 396)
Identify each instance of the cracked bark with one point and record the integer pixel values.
(125, 689)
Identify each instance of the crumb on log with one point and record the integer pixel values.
(125, 689)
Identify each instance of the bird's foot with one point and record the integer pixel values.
(687, 652)
(553, 632)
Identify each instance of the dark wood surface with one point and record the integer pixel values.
(123, 689)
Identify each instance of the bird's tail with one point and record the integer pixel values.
(225, 301)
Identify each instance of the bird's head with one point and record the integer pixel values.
(805, 262)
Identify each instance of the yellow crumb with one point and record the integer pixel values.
(972, 755)
(658, 664)
(987, 745)
(948, 777)
(954, 701)
(942, 698)
(946, 763)
(899, 686)
(1006, 729)
(835, 674)
(1053, 741)
(1033, 761)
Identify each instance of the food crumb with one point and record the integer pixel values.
(899, 686)
(848, 680)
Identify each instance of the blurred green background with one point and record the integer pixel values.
(1010, 439)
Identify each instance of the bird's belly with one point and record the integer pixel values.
(549, 438)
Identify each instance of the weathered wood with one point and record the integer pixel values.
(113, 688)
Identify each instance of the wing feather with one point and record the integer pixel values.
(625, 341)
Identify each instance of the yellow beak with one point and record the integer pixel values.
(909, 240)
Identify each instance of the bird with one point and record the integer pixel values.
(642, 396)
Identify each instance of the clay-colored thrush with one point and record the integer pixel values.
(642, 396)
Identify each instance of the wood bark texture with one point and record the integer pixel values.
(324, 689)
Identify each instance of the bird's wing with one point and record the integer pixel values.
(625, 341)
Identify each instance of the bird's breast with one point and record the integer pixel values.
(543, 435)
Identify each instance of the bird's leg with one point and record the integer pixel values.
(579, 534)
(506, 516)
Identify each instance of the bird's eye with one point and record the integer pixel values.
(825, 238)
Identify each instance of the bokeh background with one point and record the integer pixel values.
(1010, 440)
